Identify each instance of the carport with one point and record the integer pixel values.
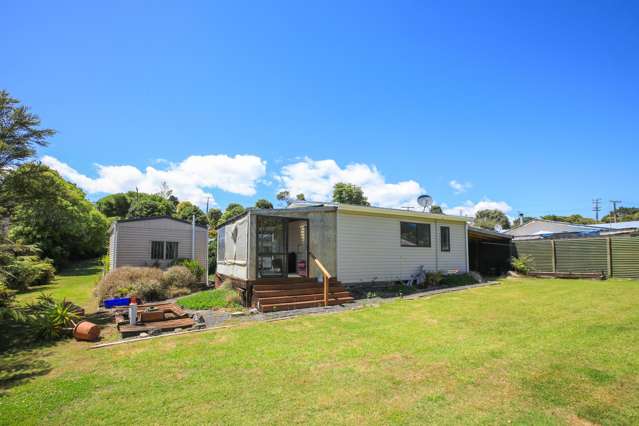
(489, 252)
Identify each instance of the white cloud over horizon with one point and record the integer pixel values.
(470, 208)
(189, 179)
(459, 187)
(315, 179)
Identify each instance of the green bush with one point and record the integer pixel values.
(179, 277)
(25, 271)
(194, 266)
(454, 280)
(522, 264)
(437, 279)
(48, 319)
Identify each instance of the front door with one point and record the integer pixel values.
(271, 247)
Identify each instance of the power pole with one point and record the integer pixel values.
(614, 208)
(596, 207)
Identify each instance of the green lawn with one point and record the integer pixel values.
(525, 351)
(217, 298)
(74, 283)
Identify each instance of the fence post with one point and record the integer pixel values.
(609, 257)
(554, 255)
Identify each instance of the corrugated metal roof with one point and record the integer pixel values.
(619, 225)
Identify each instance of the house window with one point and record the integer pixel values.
(415, 234)
(171, 250)
(157, 250)
(445, 238)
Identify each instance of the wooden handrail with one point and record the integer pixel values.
(325, 275)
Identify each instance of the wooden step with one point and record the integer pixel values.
(303, 304)
(301, 298)
(296, 291)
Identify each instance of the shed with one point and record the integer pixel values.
(156, 241)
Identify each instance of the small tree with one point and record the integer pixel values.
(149, 205)
(284, 197)
(185, 211)
(263, 204)
(114, 205)
(214, 216)
(19, 133)
(490, 218)
(300, 197)
(231, 211)
(347, 193)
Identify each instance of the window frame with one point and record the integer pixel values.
(441, 238)
(426, 241)
(166, 250)
(155, 246)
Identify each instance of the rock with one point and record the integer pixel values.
(143, 335)
(177, 330)
(238, 314)
(253, 311)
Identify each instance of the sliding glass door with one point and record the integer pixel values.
(271, 247)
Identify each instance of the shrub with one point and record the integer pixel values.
(48, 318)
(453, 280)
(431, 279)
(178, 277)
(142, 282)
(26, 271)
(194, 266)
(522, 264)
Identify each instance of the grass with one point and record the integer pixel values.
(528, 351)
(218, 298)
(74, 283)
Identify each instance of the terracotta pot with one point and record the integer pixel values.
(86, 330)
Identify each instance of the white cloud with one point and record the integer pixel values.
(189, 179)
(459, 187)
(315, 179)
(470, 208)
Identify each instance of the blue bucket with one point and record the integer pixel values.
(112, 303)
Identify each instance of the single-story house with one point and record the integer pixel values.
(355, 245)
(538, 229)
(156, 241)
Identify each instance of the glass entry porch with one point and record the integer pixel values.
(282, 247)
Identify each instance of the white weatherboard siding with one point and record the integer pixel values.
(134, 241)
(369, 249)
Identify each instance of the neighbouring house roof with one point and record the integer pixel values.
(544, 227)
(619, 225)
(141, 219)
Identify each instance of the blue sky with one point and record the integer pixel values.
(526, 106)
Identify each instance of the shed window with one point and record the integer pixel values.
(157, 250)
(415, 234)
(171, 250)
(445, 238)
